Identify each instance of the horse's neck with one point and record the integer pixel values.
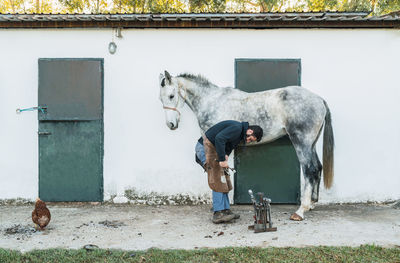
(195, 95)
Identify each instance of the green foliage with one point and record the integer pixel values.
(387, 6)
(270, 5)
(12, 6)
(128, 6)
(241, 254)
(84, 6)
(356, 5)
(40, 6)
(376, 7)
(73, 6)
(166, 6)
(323, 5)
(207, 6)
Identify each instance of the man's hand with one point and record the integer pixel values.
(225, 163)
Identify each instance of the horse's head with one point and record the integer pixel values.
(170, 97)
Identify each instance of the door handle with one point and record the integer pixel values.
(42, 109)
(44, 133)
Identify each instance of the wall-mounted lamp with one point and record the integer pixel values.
(112, 47)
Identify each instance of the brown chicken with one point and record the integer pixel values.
(41, 214)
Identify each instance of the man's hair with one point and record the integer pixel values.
(257, 131)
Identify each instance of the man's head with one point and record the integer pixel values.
(254, 133)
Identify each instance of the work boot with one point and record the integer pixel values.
(221, 217)
(229, 212)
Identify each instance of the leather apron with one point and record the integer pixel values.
(218, 179)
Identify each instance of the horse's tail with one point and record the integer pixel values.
(328, 145)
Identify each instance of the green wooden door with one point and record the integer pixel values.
(271, 168)
(71, 129)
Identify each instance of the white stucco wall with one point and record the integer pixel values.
(356, 71)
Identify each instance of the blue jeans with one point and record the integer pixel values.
(220, 200)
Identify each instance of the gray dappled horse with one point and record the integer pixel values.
(292, 110)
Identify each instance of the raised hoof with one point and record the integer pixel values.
(296, 217)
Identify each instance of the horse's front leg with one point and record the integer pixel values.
(306, 203)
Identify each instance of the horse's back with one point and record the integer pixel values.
(297, 93)
(290, 100)
(299, 99)
(304, 112)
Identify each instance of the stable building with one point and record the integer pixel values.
(90, 125)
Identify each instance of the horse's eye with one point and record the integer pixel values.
(171, 97)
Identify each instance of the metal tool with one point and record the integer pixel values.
(227, 168)
(262, 213)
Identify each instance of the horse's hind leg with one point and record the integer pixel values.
(311, 173)
(315, 189)
(309, 182)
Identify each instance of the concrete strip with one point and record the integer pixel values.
(138, 227)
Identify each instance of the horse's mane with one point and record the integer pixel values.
(199, 79)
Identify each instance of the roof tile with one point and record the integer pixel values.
(255, 20)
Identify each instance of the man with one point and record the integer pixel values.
(218, 142)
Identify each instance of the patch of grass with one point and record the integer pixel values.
(244, 254)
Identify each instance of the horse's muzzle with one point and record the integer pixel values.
(172, 126)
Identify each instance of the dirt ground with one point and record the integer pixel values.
(138, 227)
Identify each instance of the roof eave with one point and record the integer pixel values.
(252, 21)
(199, 24)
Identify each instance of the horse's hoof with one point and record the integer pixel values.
(296, 217)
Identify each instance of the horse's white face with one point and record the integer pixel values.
(169, 96)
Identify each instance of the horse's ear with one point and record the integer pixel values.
(167, 76)
(161, 80)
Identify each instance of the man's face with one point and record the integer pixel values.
(249, 136)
